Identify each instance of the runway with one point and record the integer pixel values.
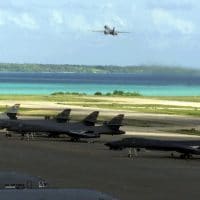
(152, 175)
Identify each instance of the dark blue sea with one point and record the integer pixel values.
(145, 84)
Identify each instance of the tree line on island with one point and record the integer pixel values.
(114, 93)
(14, 67)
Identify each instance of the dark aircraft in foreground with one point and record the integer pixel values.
(15, 180)
(110, 31)
(53, 194)
(186, 148)
(19, 186)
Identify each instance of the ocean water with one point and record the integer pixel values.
(145, 84)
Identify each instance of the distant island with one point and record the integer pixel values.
(14, 67)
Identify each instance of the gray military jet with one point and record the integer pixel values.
(186, 148)
(108, 128)
(76, 130)
(9, 124)
(110, 31)
(52, 128)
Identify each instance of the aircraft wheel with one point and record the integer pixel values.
(185, 156)
(130, 155)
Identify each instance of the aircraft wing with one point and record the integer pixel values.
(188, 149)
(123, 32)
(83, 134)
(101, 31)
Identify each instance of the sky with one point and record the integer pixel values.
(162, 32)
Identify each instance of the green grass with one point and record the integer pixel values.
(191, 131)
(178, 98)
(78, 97)
(100, 102)
(51, 98)
(157, 109)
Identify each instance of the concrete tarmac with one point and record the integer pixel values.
(152, 175)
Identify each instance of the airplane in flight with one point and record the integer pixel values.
(186, 148)
(110, 31)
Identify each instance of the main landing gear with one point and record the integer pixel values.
(132, 152)
(185, 156)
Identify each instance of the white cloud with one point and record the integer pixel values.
(171, 5)
(85, 21)
(71, 21)
(166, 22)
(23, 20)
(57, 17)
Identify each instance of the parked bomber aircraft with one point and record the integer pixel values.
(108, 128)
(76, 130)
(8, 124)
(88, 121)
(186, 148)
(110, 31)
(53, 128)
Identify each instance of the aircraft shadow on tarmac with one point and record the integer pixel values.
(155, 157)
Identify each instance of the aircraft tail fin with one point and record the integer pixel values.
(13, 111)
(91, 119)
(63, 116)
(115, 122)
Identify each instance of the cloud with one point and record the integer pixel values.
(183, 5)
(23, 20)
(84, 21)
(57, 17)
(166, 22)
